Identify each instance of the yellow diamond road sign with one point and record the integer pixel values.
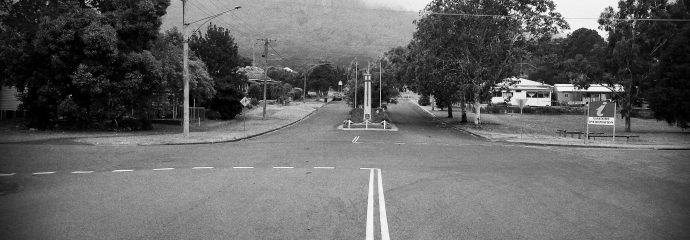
(245, 101)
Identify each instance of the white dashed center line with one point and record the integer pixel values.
(42, 173)
(324, 167)
(80, 172)
(242, 167)
(283, 167)
(202, 168)
(123, 170)
(162, 169)
(6, 174)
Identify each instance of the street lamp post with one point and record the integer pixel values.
(185, 61)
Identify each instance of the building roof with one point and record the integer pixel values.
(594, 88)
(523, 84)
(254, 73)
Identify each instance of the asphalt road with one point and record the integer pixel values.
(312, 181)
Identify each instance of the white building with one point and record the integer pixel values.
(569, 94)
(9, 101)
(536, 93)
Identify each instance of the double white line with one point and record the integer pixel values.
(354, 140)
(383, 219)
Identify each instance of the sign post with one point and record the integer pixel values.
(245, 101)
(601, 113)
(521, 103)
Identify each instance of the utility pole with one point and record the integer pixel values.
(185, 72)
(267, 43)
(380, 81)
(185, 60)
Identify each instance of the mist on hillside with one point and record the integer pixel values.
(306, 31)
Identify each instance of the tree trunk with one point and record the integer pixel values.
(477, 108)
(450, 111)
(628, 107)
(463, 109)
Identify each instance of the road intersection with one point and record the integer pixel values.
(312, 181)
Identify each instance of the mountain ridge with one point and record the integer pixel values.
(306, 30)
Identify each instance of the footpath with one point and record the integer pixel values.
(509, 135)
(249, 124)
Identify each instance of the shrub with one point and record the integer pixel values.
(357, 115)
(424, 100)
(227, 108)
(548, 110)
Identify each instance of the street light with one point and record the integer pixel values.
(185, 61)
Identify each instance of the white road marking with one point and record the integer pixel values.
(42, 173)
(284, 167)
(242, 167)
(400, 143)
(162, 169)
(123, 170)
(354, 140)
(422, 143)
(6, 174)
(324, 167)
(202, 168)
(370, 207)
(79, 172)
(382, 210)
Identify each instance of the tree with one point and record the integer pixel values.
(670, 85)
(477, 43)
(167, 50)
(633, 47)
(217, 49)
(95, 59)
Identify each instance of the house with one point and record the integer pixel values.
(508, 91)
(255, 75)
(569, 94)
(9, 102)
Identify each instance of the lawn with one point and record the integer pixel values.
(649, 130)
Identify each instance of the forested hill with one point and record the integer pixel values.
(305, 30)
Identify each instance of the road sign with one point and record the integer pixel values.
(601, 113)
(245, 101)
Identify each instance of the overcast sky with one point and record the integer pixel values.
(568, 8)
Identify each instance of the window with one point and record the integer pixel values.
(537, 95)
(497, 94)
(566, 95)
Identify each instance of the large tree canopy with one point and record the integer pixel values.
(82, 61)
(476, 43)
(217, 48)
(633, 46)
(669, 87)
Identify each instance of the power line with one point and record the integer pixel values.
(515, 16)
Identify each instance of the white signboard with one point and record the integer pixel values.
(245, 101)
(601, 121)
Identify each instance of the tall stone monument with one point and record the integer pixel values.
(367, 96)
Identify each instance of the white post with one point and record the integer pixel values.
(614, 123)
(587, 125)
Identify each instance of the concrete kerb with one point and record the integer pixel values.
(237, 139)
(642, 147)
(453, 127)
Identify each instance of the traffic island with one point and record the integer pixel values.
(378, 121)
